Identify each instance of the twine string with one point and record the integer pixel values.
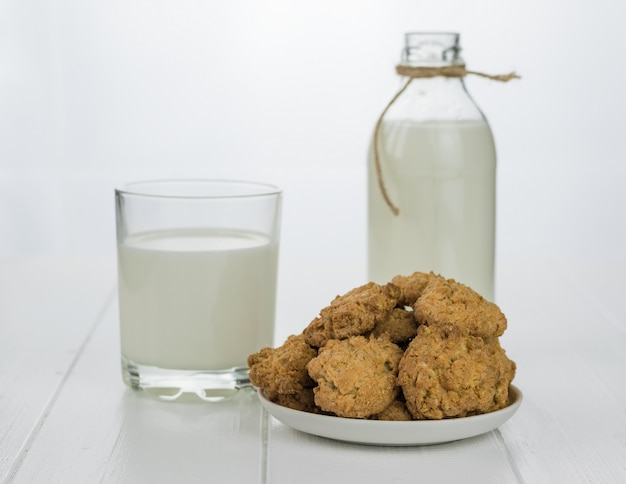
(421, 73)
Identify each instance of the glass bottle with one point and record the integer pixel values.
(437, 163)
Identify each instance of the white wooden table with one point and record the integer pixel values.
(66, 417)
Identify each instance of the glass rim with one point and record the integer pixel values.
(434, 33)
(150, 188)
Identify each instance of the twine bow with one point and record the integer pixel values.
(421, 73)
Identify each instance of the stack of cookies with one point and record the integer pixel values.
(420, 347)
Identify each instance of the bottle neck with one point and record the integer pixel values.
(431, 50)
(437, 97)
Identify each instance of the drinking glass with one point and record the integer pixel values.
(197, 270)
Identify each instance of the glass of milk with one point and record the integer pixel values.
(197, 267)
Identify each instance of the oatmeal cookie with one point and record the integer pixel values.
(447, 301)
(446, 373)
(399, 324)
(356, 377)
(354, 313)
(282, 370)
(303, 400)
(396, 411)
(412, 286)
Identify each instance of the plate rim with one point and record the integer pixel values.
(414, 432)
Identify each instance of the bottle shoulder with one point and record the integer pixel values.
(435, 99)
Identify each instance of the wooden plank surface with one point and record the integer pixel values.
(484, 458)
(571, 360)
(98, 430)
(48, 310)
(65, 415)
(570, 428)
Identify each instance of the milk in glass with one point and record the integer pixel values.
(196, 299)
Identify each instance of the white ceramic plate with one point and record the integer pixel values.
(378, 432)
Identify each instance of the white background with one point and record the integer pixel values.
(94, 93)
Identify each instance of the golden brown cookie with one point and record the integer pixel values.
(399, 324)
(412, 286)
(303, 400)
(283, 369)
(447, 301)
(396, 411)
(446, 373)
(356, 377)
(354, 313)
